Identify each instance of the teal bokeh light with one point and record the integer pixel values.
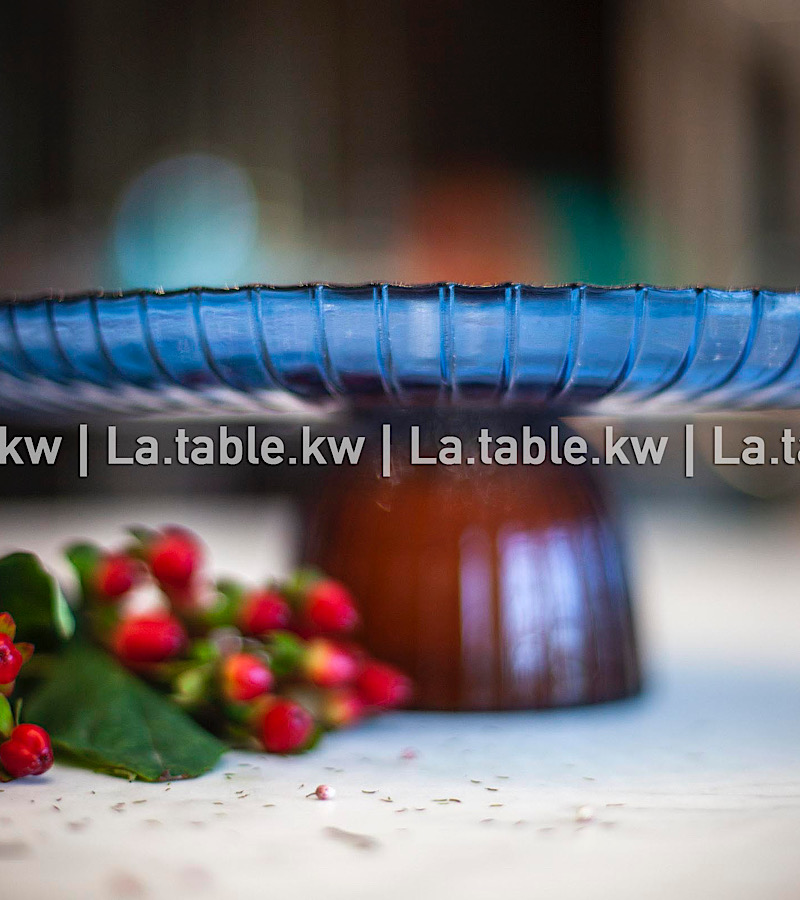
(187, 220)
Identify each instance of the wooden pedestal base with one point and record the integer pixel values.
(494, 587)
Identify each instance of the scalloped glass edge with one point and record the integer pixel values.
(270, 349)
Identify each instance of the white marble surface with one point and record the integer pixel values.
(694, 787)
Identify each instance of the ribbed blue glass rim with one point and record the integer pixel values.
(276, 348)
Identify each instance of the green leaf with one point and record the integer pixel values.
(142, 535)
(32, 596)
(193, 686)
(84, 559)
(203, 651)
(7, 625)
(103, 717)
(286, 652)
(224, 611)
(6, 718)
(295, 589)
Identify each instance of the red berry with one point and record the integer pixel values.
(383, 687)
(174, 556)
(287, 727)
(341, 707)
(324, 792)
(328, 665)
(329, 607)
(245, 677)
(263, 611)
(10, 660)
(27, 752)
(195, 597)
(148, 638)
(115, 575)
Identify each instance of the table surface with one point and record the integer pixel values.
(693, 788)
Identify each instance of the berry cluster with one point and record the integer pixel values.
(25, 749)
(272, 666)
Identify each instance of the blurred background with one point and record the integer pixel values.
(279, 141)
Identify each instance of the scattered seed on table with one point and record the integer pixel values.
(402, 809)
(119, 807)
(493, 805)
(386, 799)
(218, 803)
(486, 821)
(453, 800)
(615, 804)
(266, 805)
(502, 777)
(475, 780)
(56, 808)
(363, 791)
(492, 789)
(139, 801)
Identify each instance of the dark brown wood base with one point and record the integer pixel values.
(494, 587)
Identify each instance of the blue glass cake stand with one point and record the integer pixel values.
(496, 587)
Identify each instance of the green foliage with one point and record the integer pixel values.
(105, 718)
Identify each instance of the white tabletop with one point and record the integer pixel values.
(692, 790)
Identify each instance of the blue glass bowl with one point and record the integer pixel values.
(287, 348)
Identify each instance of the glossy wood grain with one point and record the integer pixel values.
(494, 587)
